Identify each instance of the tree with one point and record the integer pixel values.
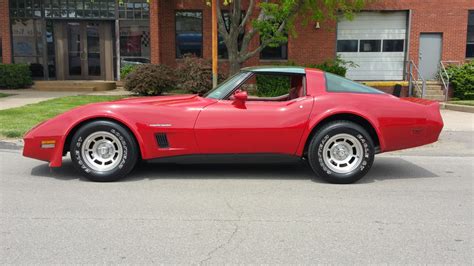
(273, 23)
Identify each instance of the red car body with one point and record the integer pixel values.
(197, 125)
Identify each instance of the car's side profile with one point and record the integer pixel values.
(336, 124)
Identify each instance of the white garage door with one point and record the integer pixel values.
(375, 41)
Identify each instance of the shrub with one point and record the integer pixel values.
(14, 76)
(126, 69)
(194, 75)
(271, 85)
(462, 80)
(149, 79)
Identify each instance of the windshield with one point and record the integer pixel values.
(226, 87)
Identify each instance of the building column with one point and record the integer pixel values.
(155, 31)
(5, 32)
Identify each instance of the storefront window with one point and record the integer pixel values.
(79, 8)
(27, 45)
(188, 33)
(134, 42)
(51, 49)
(134, 9)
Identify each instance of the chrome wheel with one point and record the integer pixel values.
(342, 153)
(102, 151)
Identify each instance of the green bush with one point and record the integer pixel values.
(337, 66)
(14, 76)
(195, 75)
(462, 80)
(272, 85)
(126, 69)
(150, 79)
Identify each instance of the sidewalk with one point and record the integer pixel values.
(28, 96)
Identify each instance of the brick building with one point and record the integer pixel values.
(91, 39)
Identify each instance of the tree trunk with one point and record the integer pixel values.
(234, 66)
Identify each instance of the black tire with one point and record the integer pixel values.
(124, 141)
(320, 164)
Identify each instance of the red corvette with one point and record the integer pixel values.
(336, 124)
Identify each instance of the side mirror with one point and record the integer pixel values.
(240, 96)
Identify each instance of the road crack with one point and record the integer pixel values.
(230, 238)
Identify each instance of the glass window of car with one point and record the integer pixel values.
(335, 83)
(367, 46)
(347, 46)
(226, 87)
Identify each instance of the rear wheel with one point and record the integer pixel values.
(341, 152)
(103, 151)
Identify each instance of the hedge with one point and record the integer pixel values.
(14, 76)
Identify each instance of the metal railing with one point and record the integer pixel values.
(444, 76)
(415, 80)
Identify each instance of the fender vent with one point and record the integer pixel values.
(162, 140)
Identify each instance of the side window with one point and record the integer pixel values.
(274, 87)
(336, 83)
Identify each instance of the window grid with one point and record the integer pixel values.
(134, 9)
(77, 9)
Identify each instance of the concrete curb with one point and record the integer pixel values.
(457, 107)
(12, 144)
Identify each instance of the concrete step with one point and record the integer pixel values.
(434, 92)
(439, 98)
(74, 85)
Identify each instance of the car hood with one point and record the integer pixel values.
(162, 100)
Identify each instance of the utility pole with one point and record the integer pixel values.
(214, 43)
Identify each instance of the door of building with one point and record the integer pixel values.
(430, 54)
(84, 50)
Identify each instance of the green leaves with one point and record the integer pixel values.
(462, 80)
(15, 76)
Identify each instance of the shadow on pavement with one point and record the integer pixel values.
(385, 168)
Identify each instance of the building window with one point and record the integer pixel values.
(367, 46)
(25, 9)
(393, 45)
(188, 33)
(134, 9)
(347, 46)
(50, 47)
(79, 8)
(470, 35)
(134, 42)
(275, 53)
(27, 44)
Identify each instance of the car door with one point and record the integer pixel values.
(255, 127)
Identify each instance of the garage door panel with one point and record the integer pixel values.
(374, 26)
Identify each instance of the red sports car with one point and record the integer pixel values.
(336, 124)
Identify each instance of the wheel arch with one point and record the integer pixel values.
(355, 118)
(75, 128)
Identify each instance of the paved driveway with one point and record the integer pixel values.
(414, 206)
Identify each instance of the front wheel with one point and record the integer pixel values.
(341, 152)
(103, 151)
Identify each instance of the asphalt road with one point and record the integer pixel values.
(414, 206)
